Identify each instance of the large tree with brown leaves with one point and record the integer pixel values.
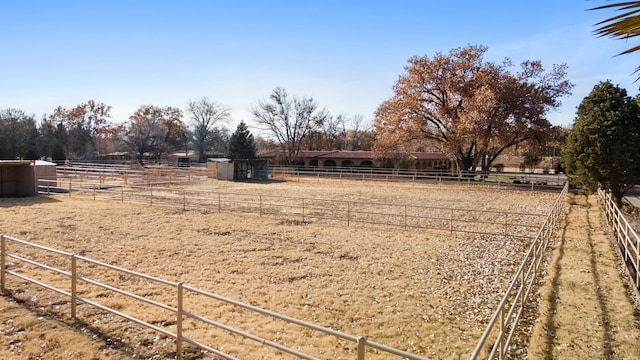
(473, 110)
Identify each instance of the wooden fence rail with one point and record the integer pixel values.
(463, 220)
(77, 279)
(626, 236)
(496, 339)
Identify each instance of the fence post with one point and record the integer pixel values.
(94, 192)
(73, 285)
(361, 344)
(179, 323)
(69, 187)
(122, 194)
(3, 250)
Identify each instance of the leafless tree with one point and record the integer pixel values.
(205, 114)
(289, 120)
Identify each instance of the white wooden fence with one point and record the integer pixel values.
(626, 236)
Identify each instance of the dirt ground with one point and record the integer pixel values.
(426, 292)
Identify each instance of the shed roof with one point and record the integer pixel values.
(15, 162)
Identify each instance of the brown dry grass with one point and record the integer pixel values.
(426, 292)
(586, 310)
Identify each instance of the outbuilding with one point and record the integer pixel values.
(239, 169)
(17, 178)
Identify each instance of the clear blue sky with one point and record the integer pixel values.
(346, 54)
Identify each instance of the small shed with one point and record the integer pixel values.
(17, 178)
(250, 169)
(227, 169)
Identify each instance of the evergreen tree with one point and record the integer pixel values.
(241, 144)
(602, 147)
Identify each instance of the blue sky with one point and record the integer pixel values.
(345, 54)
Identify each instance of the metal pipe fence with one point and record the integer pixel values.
(153, 175)
(494, 342)
(521, 180)
(77, 280)
(627, 238)
(496, 339)
(462, 220)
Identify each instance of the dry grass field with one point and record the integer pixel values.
(423, 291)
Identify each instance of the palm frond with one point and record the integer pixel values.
(622, 26)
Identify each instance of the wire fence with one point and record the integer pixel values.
(627, 238)
(464, 220)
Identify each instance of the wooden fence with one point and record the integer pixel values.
(487, 222)
(627, 238)
(76, 279)
(496, 339)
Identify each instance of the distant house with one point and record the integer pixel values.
(343, 158)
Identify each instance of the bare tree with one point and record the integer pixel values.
(205, 114)
(289, 120)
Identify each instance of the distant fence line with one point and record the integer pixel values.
(627, 238)
(497, 337)
(486, 222)
(76, 279)
(131, 174)
(523, 180)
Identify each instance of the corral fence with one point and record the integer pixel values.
(496, 340)
(627, 238)
(76, 280)
(463, 220)
(522, 180)
(104, 173)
